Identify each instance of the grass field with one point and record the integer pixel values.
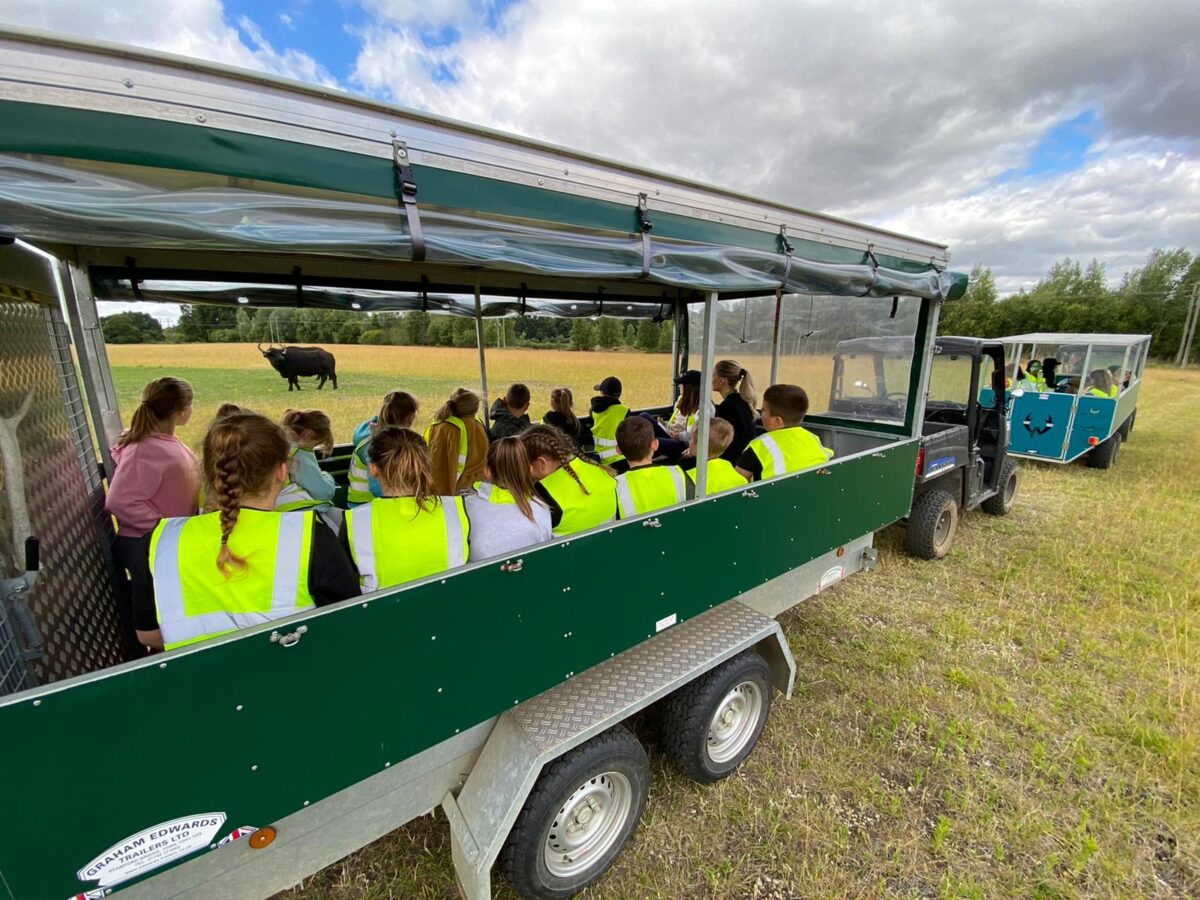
(1021, 719)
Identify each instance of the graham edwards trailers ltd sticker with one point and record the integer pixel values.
(147, 850)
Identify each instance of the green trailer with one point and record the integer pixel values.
(498, 692)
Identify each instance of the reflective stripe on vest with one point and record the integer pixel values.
(493, 493)
(195, 600)
(789, 450)
(582, 511)
(359, 475)
(1096, 392)
(648, 488)
(722, 476)
(293, 496)
(462, 441)
(1114, 391)
(393, 540)
(604, 432)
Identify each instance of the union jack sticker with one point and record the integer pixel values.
(235, 834)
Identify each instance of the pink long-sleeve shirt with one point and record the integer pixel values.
(156, 478)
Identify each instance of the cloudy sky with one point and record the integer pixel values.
(1019, 132)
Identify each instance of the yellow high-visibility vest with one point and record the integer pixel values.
(493, 493)
(648, 488)
(293, 496)
(359, 490)
(393, 540)
(582, 511)
(604, 432)
(789, 450)
(1096, 392)
(462, 442)
(195, 599)
(722, 476)
(1114, 391)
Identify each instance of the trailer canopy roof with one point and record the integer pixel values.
(1111, 340)
(162, 164)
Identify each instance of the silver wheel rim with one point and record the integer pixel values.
(1010, 489)
(732, 726)
(942, 530)
(588, 824)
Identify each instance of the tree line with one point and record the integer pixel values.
(1151, 299)
(218, 324)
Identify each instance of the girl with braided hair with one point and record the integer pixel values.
(581, 495)
(245, 563)
(156, 476)
(411, 531)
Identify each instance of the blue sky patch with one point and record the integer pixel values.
(1063, 148)
(316, 27)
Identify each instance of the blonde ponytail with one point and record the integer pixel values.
(731, 372)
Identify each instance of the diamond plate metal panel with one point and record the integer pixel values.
(73, 602)
(613, 687)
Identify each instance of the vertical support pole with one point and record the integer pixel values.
(706, 375)
(481, 344)
(88, 338)
(677, 346)
(776, 337)
(1124, 369)
(1189, 327)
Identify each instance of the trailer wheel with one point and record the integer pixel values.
(1104, 454)
(578, 817)
(931, 525)
(712, 724)
(1127, 426)
(1010, 481)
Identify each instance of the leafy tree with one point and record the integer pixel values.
(583, 335)
(666, 335)
(647, 335)
(308, 326)
(609, 333)
(349, 330)
(224, 336)
(131, 328)
(245, 324)
(371, 336)
(196, 321)
(415, 328)
(462, 332)
(440, 332)
(631, 333)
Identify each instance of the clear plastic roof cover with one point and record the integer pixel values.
(41, 200)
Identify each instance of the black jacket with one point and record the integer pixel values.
(737, 412)
(504, 423)
(580, 433)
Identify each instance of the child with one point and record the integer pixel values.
(505, 513)
(156, 477)
(581, 495)
(645, 487)
(722, 476)
(607, 413)
(307, 486)
(562, 416)
(786, 447)
(458, 444)
(399, 410)
(240, 566)
(410, 532)
(510, 413)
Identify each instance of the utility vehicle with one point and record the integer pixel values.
(499, 691)
(1085, 403)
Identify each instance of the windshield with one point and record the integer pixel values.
(950, 381)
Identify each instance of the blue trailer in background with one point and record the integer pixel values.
(1082, 402)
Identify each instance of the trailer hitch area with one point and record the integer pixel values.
(870, 557)
(291, 639)
(13, 592)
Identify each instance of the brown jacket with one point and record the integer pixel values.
(443, 452)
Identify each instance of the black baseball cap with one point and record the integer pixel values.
(610, 385)
(691, 376)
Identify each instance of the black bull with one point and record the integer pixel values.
(293, 363)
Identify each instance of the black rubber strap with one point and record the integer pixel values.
(870, 254)
(406, 190)
(646, 225)
(786, 248)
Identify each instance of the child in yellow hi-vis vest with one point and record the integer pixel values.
(645, 487)
(787, 446)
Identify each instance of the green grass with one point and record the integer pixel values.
(1018, 720)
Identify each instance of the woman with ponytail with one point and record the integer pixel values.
(506, 514)
(411, 531)
(738, 400)
(246, 563)
(458, 443)
(581, 495)
(156, 476)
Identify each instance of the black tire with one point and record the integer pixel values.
(738, 690)
(931, 525)
(539, 827)
(1104, 454)
(1010, 484)
(1127, 426)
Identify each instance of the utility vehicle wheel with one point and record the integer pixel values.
(578, 817)
(1127, 426)
(1010, 483)
(1104, 454)
(931, 525)
(710, 725)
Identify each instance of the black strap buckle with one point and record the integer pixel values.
(406, 188)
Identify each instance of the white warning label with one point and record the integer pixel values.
(147, 850)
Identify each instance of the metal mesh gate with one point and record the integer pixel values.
(41, 412)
